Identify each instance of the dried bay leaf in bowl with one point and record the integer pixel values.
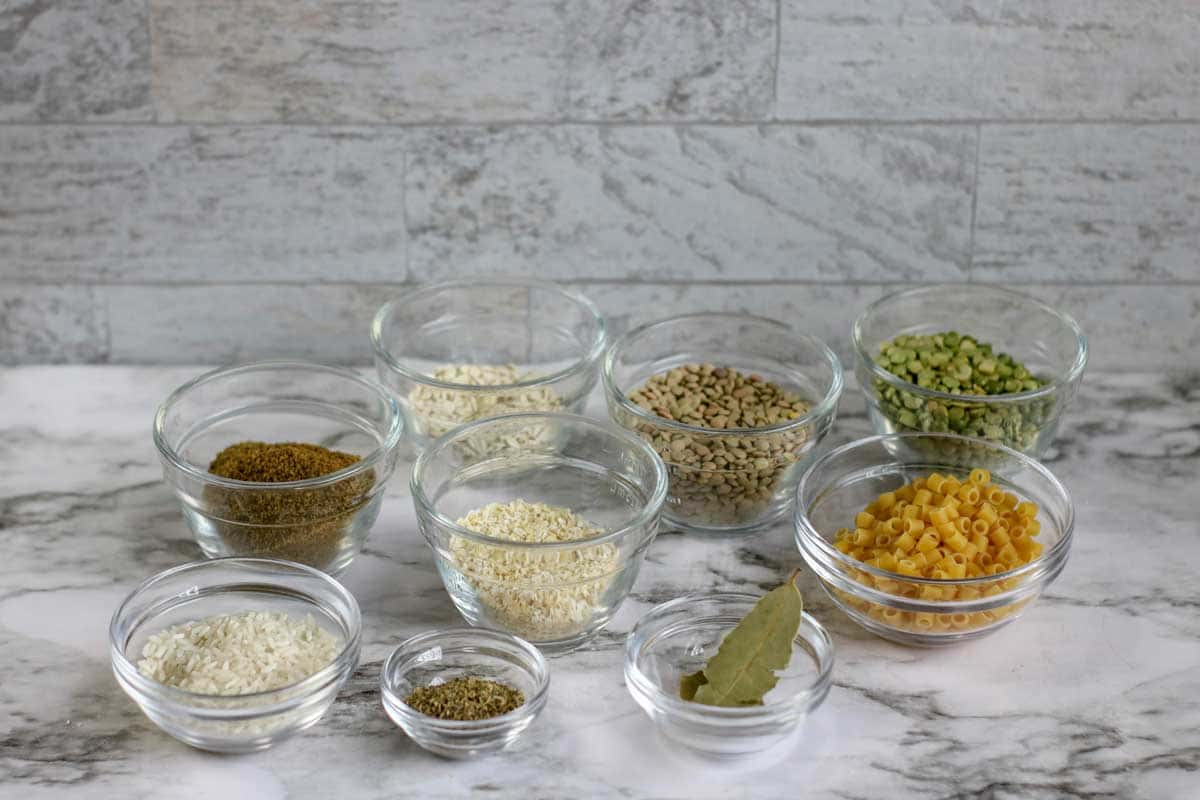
(745, 665)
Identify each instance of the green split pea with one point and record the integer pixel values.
(961, 365)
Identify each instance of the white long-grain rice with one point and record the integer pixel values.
(235, 654)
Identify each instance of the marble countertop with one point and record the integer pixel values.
(1095, 693)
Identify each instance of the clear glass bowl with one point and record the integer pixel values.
(238, 723)
(1048, 342)
(737, 479)
(678, 637)
(551, 338)
(322, 522)
(557, 595)
(442, 655)
(844, 481)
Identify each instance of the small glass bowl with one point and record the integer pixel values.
(448, 653)
(322, 522)
(738, 479)
(678, 637)
(844, 481)
(559, 594)
(552, 337)
(1048, 342)
(236, 723)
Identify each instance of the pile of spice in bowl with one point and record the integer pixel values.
(544, 542)
(280, 460)
(464, 351)
(463, 692)
(233, 654)
(1006, 380)
(731, 425)
(307, 525)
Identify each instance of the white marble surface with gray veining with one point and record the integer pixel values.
(1095, 693)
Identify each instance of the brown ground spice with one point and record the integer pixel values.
(276, 463)
(304, 525)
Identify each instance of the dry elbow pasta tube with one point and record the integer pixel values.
(938, 528)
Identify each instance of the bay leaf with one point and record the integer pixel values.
(689, 683)
(743, 670)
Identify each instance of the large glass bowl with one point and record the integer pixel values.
(559, 594)
(468, 350)
(1048, 343)
(236, 723)
(844, 481)
(678, 637)
(322, 522)
(733, 479)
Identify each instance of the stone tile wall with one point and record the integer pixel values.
(188, 182)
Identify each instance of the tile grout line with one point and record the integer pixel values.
(584, 281)
(154, 115)
(974, 206)
(778, 57)
(404, 211)
(814, 122)
(108, 327)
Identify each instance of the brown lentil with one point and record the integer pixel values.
(305, 525)
(721, 479)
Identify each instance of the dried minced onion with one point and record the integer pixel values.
(538, 595)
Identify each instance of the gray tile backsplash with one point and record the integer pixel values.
(52, 324)
(75, 60)
(1017, 59)
(212, 181)
(479, 60)
(1129, 327)
(693, 202)
(1089, 202)
(147, 203)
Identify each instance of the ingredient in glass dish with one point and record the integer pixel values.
(235, 654)
(310, 526)
(940, 528)
(717, 478)
(745, 665)
(956, 364)
(538, 595)
(261, 462)
(465, 699)
(438, 410)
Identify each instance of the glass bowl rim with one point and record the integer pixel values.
(736, 716)
(1070, 376)
(651, 508)
(806, 534)
(532, 662)
(585, 362)
(300, 691)
(392, 434)
(822, 408)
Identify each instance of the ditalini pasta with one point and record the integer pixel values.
(939, 528)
